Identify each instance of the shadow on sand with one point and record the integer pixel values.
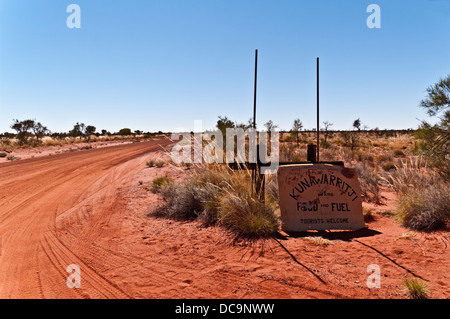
(347, 235)
(339, 235)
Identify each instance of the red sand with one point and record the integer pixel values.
(89, 208)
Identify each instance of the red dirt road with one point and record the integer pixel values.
(62, 210)
(89, 208)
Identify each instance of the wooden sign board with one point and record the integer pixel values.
(319, 197)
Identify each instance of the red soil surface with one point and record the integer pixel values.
(90, 207)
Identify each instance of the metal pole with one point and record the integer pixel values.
(254, 174)
(254, 93)
(318, 125)
(259, 180)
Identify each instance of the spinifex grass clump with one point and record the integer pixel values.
(216, 194)
(416, 289)
(242, 212)
(424, 197)
(426, 209)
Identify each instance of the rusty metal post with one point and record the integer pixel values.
(318, 125)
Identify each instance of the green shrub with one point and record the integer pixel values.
(12, 158)
(3, 155)
(436, 138)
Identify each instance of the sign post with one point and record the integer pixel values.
(319, 197)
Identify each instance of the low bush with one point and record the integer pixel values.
(12, 158)
(160, 163)
(158, 183)
(215, 194)
(151, 162)
(181, 202)
(155, 163)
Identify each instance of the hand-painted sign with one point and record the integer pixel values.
(319, 197)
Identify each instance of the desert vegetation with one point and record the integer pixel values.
(411, 163)
(386, 161)
(215, 194)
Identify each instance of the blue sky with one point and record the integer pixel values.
(160, 65)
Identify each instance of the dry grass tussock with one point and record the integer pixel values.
(216, 194)
(424, 197)
(416, 288)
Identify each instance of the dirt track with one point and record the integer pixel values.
(56, 211)
(89, 208)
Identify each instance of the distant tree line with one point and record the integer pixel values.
(31, 132)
